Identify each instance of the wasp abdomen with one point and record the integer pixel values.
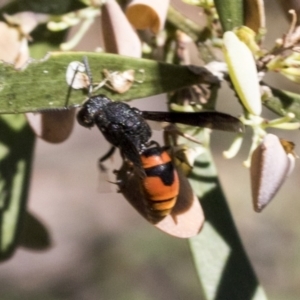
(161, 184)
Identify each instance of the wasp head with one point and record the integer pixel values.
(86, 115)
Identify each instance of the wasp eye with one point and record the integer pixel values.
(84, 118)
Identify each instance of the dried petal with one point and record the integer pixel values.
(76, 76)
(243, 72)
(144, 14)
(118, 34)
(270, 166)
(119, 82)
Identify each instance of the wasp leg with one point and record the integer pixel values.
(106, 156)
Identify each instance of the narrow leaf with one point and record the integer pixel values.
(221, 261)
(42, 84)
(230, 12)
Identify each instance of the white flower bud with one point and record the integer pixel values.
(243, 72)
(270, 166)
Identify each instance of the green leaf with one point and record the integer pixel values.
(231, 13)
(220, 259)
(16, 146)
(42, 84)
(283, 102)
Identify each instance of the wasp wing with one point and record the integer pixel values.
(207, 119)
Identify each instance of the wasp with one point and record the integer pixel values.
(148, 178)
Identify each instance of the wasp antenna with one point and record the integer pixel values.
(89, 74)
(68, 96)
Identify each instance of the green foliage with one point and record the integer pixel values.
(231, 13)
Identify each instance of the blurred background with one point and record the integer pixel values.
(100, 246)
